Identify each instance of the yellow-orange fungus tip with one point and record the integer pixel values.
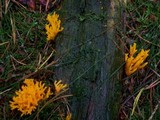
(135, 63)
(28, 97)
(59, 86)
(69, 116)
(53, 27)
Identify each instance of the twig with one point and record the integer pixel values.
(13, 30)
(17, 60)
(5, 91)
(57, 97)
(4, 43)
(155, 109)
(142, 37)
(155, 72)
(19, 4)
(6, 5)
(45, 61)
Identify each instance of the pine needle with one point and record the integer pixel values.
(136, 101)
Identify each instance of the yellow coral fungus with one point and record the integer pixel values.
(59, 86)
(27, 98)
(69, 116)
(135, 63)
(54, 26)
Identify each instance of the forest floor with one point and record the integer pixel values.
(24, 53)
(141, 25)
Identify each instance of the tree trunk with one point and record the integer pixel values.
(89, 57)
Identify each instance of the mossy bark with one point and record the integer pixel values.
(90, 58)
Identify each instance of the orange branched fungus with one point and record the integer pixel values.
(135, 63)
(54, 26)
(28, 97)
(59, 86)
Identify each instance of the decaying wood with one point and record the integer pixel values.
(87, 44)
